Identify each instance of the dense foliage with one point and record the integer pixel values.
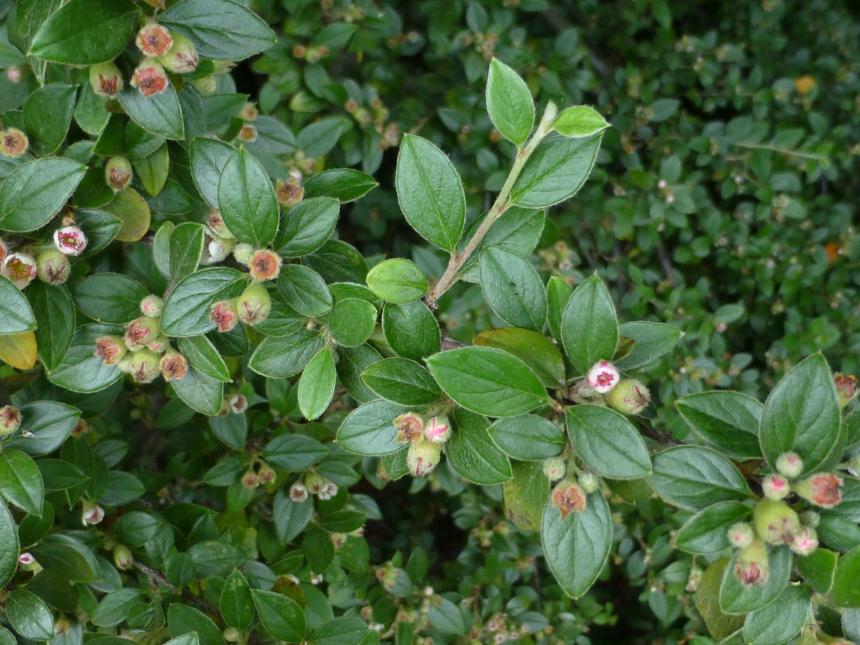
(444, 322)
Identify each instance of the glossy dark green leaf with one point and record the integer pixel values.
(344, 184)
(352, 321)
(693, 478)
(200, 392)
(846, 592)
(818, 569)
(36, 191)
(579, 121)
(54, 311)
(29, 616)
(48, 115)
(705, 532)
(369, 429)
(607, 442)
(316, 385)
(411, 329)
(186, 249)
(528, 437)
(203, 357)
(236, 604)
(50, 423)
(247, 200)
(67, 555)
(304, 290)
(282, 357)
(651, 341)
(589, 327)
(208, 158)
(306, 226)
(513, 288)
(728, 420)
(402, 381)
(294, 452)
(509, 102)
(182, 619)
(281, 616)
(534, 349)
(16, 316)
(21, 482)
(187, 308)
(160, 114)
(472, 453)
(81, 370)
(397, 281)
(112, 298)
(9, 545)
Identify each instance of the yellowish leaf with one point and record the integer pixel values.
(19, 350)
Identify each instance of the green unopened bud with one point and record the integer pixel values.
(10, 420)
(123, 558)
(182, 57)
(242, 253)
(775, 522)
(314, 482)
(422, 457)
(206, 85)
(740, 535)
(846, 388)
(751, 566)
(141, 331)
(254, 304)
(106, 80)
(588, 482)
(805, 542)
(821, 489)
(789, 464)
(151, 306)
(143, 366)
(267, 474)
(118, 173)
(53, 267)
(629, 397)
(810, 518)
(232, 635)
(554, 468)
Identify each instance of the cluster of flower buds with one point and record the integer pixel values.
(10, 420)
(51, 263)
(262, 476)
(290, 192)
(252, 307)
(425, 437)
(312, 484)
(568, 497)
(13, 142)
(312, 54)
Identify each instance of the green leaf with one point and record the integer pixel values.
(736, 598)
(728, 420)
(781, 620)
(528, 437)
(525, 495)
(115, 607)
(487, 381)
(318, 138)
(706, 599)
(558, 292)
(280, 616)
(200, 392)
(247, 200)
(186, 249)
(316, 384)
(68, 556)
(21, 482)
(100, 227)
(705, 532)
(54, 311)
(304, 290)
(29, 616)
(402, 381)
(802, 415)
(307, 226)
(111, 298)
(352, 322)
(818, 569)
(203, 357)
(160, 114)
(49, 422)
(216, 557)
(397, 281)
(208, 158)
(48, 115)
(607, 442)
(16, 316)
(152, 170)
(651, 340)
(513, 288)
(430, 192)
(182, 619)
(220, 29)
(344, 184)
(576, 547)
(556, 170)
(369, 429)
(81, 370)
(232, 429)
(36, 191)
(579, 121)
(187, 308)
(236, 603)
(509, 103)
(411, 329)
(589, 327)
(473, 455)
(446, 617)
(9, 545)
(693, 478)
(846, 591)
(84, 32)
(534, 349)
(294, 452)
(282, 357)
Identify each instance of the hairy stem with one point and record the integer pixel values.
(502, 204)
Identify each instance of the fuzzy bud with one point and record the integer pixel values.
(775, 522)
(568, 497)
(410, 427)
(789, 464)
(315, 482)
(805, 542)
(13, 142)
(247, 133)
(159, 345)
(111, 349)
(53, 267)
(10, 420)
(216, 224)
(554, 468)
(154, 40)
(182, 56)
(106, 80)
(254, 304)
(422, 457)
(267, 474)
(438, 429)
(289, 193)
(751, 566)
(232, 635)
(216, 248)
(846, 388)
(603, 377)
(149, 78)
(70, 240)
(151, 306)
(238, 403)
(174, 366)
(92, 513)
(144, 366)
(225, 315)
(206, 85)
(298, 492)
(775, 487)
(821, 489)
(328, 491)
(588, 482)
(20, 268)
(118, 173)
(264, 265)
(250, 480)
(242, 253)
(249, 112)
(14, 74)
(123, 557)
(740, 535)
(629, 397)
(810, 518)
(140, 332)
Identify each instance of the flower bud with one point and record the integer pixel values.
(740, 535)
(53, 267)
(603, 377)
(10, 420)
(250, 480)
(92, 513)
(13, 142)
(242, 253)
(254, 304)
(751, 566)
(588, 482)
(140, 332)
(264, 265)
(20, 268)
(225, 315)
(153, 40)
(182, 56)
(775, 487)
(70, 240)
(216, 224)
(789, 464)
(27, 562)
(554, 468)
(629, 397)
(422, 457)
(206, 85)
(328, 491)
(810, 518)
(568, 497)
(315, 482)
(249, 112)
(174, 366)
(144, 366)
(247, 133)
(151, 306)
(846, 388)
(410, 427)
(123, 557)
(298, 492)
(149, 78)
(216, 248)
(118, 173)
(289, 193)
(805, 542)
(232, 635)
(438, 429)
(106, 80)
(159, 345)
(14, 74)
(775, 522)
(238, 403)
(111, 349)
(267, 474)
(821, 489)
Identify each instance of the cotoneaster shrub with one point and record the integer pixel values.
(225, 422)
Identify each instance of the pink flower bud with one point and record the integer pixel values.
(26, 558)
(775, 522)
(70, 240)
(140, 332)
(118, 173)
(789, 464)
(225, 315)
(588, 482)
(123, 557)
(289, 193)
(106, 80)
(174, 366)
(144, 366)
(111, 349)
(182, 57)
(751, 566)
(254, 304)
(53, 267)
(10, 420)
(740, 535)
(846, 388)
(629, 397)
(821, 489)
(20, 268)
(14, 74)
(216, 224)
(238, 403)
(247, 133)
(438, 429)
(242, 253)
(264, 265)
(149, 78)
(554, 468)
(13, 142)
(328, 491)
(805, 542)
(92, 513)
(775, 487)
(249, 112)
(298, 492)
(603, 377)
(153, 40)
(410, 427)
(422, 457)
(568, 497)
(151, 306)
(250, 480)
